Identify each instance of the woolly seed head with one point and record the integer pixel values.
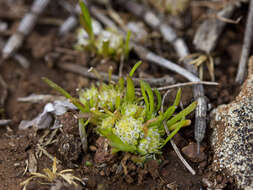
(129, 130)
(107, 96)
(90, 96)
(151, 143)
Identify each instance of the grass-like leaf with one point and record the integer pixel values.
(120, 84)
(115, 141)
(75, 101)
(130, 91)
(178, 97)
(182, 114)
(178, 126)
(131, 73)
(127, 45)
(105, 48)
(86, 21)
(159, 100)
(146, 90)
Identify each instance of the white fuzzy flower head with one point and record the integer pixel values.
(151, 143)
(113, 37)
(83, 37)
(129, 109)
(129, 130)
(108, 122)
(89, 95)
(107, 96)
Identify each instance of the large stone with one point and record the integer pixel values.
(232, 136)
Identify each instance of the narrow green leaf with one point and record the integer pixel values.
(57, 87)
(159, 100)
(134, 68)
(127, 47)
(178, 97)
(169, 112)
(130, 92)
(115, 141)
(76, 102)
(174, 126)
(105, 48)
(150, 94)
(121, 84)
(173, 133)
(117, 103)
(86, 20)
(182, 114)
(145, 97)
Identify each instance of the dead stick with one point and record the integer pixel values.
(4, 122)
(241, 72)
(5, 91)
(24, 28)
(184, 84)
(207, 34)
(72, 20)
(17, 57)
(105, 77)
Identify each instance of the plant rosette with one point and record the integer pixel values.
(131, 123)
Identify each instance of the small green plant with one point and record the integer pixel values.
(131, 123)
(108, 42)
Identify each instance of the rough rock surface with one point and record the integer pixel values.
(232, 137)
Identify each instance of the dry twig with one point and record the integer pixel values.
(105, 76)
(4, 92)
(246, 46)
(25, 27)
(17, 57)
(185, 84)
(40, 98)
(206, 37)
(4, 122)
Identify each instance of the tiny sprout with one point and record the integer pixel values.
(88, 163)
(131, 123)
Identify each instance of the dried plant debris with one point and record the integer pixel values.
(209, 31)
(174, 7)
(4, 122)
(130, 123)
(25, 27)
(44, 119)
(102, 76)
(50, 176)
(231, 139)
(40, 98)
(241, 72)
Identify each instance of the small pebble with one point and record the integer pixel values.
(93, 148)
(191, 152)
(102, 173)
